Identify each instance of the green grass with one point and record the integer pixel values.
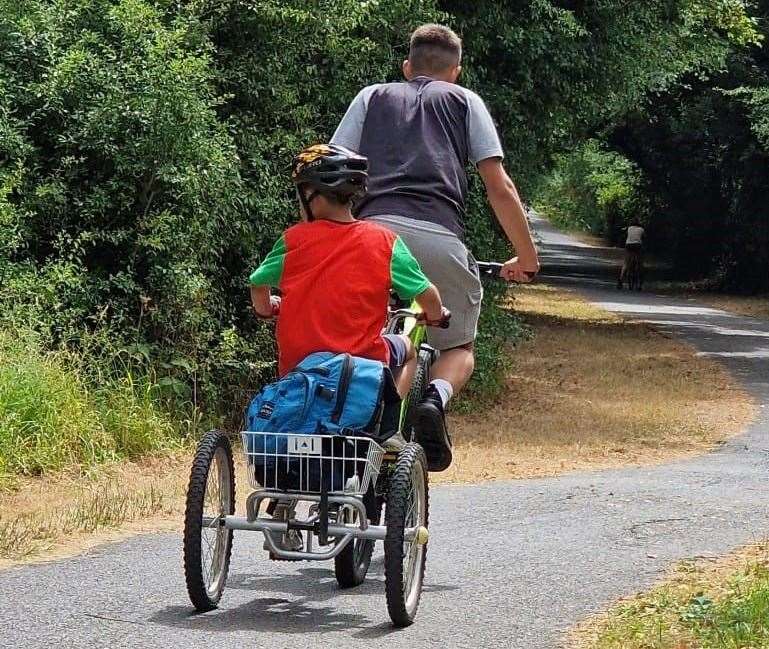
(710, 609)
(51, 418)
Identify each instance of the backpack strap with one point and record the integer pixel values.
(385, 421)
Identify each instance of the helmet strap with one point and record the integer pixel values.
(305, 201)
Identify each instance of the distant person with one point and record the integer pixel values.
(420, 135)
(634, 243)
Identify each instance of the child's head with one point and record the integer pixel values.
(328, 179)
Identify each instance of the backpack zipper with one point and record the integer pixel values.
(344, 386)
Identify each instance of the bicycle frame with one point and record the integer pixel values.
(417, 333)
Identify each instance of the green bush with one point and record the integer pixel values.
(498, 330)
(51, 418)
(593, 189)
(47, 420)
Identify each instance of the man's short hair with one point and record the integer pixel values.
(434, 48)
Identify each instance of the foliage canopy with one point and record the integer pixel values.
(144, 144)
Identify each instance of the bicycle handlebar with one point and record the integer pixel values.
(494, 269)
(490, 268)
(419, 316)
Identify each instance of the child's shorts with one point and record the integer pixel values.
(398, 351)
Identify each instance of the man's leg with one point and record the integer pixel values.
(455, 366)
(448, 264)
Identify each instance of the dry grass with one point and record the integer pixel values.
(61, 516)
(592, 391)
(588, 391)
(704, 603)
(755, 306)
(53, 515)
(587, 238)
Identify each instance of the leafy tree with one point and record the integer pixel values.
(144, 144)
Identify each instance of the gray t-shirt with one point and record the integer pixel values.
(419, 136)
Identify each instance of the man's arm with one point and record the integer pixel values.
(504, 200)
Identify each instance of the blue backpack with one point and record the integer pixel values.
(326, 394)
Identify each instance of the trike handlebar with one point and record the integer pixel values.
(421, 317)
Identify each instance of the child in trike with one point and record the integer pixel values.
(330, 443)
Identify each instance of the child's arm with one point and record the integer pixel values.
(268, 275)
(265, 305)
(430, 301)
(410, 282)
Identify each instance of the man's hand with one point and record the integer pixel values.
(519, 270)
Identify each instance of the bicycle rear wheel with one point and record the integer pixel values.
(407, 508)
(417, 392)
(207, 543)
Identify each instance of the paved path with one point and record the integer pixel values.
(510, 565)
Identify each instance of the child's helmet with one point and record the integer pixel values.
(332, 170)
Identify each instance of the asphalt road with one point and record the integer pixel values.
(511, 564)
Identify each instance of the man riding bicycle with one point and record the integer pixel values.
(420, 135)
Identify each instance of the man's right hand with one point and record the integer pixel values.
(520, 270)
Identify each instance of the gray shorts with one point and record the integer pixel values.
(452, 268)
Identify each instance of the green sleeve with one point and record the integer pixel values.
(271, 269)
(407, 277)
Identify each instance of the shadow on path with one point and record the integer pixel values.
(297, 605)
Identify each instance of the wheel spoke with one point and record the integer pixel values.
(413, 518)
(216, 506)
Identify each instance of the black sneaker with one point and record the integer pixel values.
(431, 431)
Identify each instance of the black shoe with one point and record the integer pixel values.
(431, 431)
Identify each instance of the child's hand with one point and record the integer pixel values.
(275, 304)
(442, 322)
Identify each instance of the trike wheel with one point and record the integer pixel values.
(352, 563)
(207, 543)
(407, 508)
(417, 391)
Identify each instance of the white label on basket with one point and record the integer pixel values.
(304, 444)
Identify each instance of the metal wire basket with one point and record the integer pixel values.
(311, 463)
